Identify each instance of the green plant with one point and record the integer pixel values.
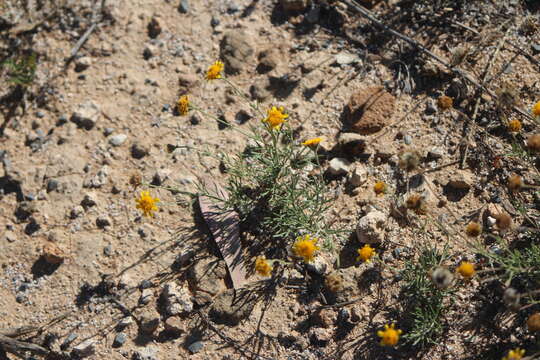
(21, 70)
(426, 302)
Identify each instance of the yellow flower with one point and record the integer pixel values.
(275, 117)
(263, 267)
(389, 336)
(466, 269)
(312, 142)
(379, 187)
(514, 125)
(183, 105)
(515, 354)
(147, 204)
(305, 247)
(366, 253)
(214, 71)
(536, 109)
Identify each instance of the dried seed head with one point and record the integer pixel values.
(533, 322)
(515, 183)
(135, 180)
(473, 229)
(409, 160)
(533, 142)
(334, 282)
(507, 96)
(514, 125)
(417, 203)
(445, 102)
(511, 299)
(503, 221)
(441, 277)
(529, 26)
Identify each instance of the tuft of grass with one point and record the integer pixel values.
(426, 302)
(21, 70)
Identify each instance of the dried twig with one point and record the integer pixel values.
(15, 346)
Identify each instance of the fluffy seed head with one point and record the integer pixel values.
(503, 221)
(417, 203)
(409, 160)
(441, 277)
(533, 142)
(533, 322)
(445, 102)
(473, 229)
(262, 266)
(515, 183)
(334, 282)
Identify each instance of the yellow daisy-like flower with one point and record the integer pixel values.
(313, 142)
(183, 105)
(536, 109)
(514, 125)
(305, 247)
(366, 253)
(379, 187)
(147, 204)
(214, 71)
(389, 336)
(262, 266)
(466, 269)
(275, 117)
(515, 354)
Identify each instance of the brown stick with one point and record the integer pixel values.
(15, 346)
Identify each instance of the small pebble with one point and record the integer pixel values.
(119, 340)
(117, 140)
(108, 131)
(196, 347)
(40, 114)
(214, 22)
(145, 284)
(52, 185)
(183, 7)
(107, 250)
(407, 139)
(69, 339)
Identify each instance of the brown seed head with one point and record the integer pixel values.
(417, 203)
(445, 102)
(409, 160)
(334, 282)
(533, 322)
(503, 221)
(533, 142)
(473, 229)
(135, 180)
(515, 183)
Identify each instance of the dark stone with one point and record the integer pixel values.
(183, 7)
(195, 347)
(52, 185)
(119, 340)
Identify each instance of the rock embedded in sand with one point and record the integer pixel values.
(371, 109)
(370, 228)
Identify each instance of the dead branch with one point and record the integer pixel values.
(16, 346)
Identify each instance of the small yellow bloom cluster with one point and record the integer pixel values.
(147, 204)
(536, 110)
(515, 354)
(214, 71)
(305, 247)
(312, 142)
(466, 269)
(389, 336)
(275, 117)
(262, 266)
(366, 253)
(183, 105)
(379, 187)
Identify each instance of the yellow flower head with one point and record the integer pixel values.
(305, 247)
(389, 336)
(466, 269)
(214, 71)
(515, 354)
(275, 117)
(366, 253)
(183, 105)
(262, 266)
(379, 187)
(536, 109)
(514, 125)
(147, 204)
(312, 142)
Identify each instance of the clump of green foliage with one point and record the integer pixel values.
(426, 303)
(21, 70)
